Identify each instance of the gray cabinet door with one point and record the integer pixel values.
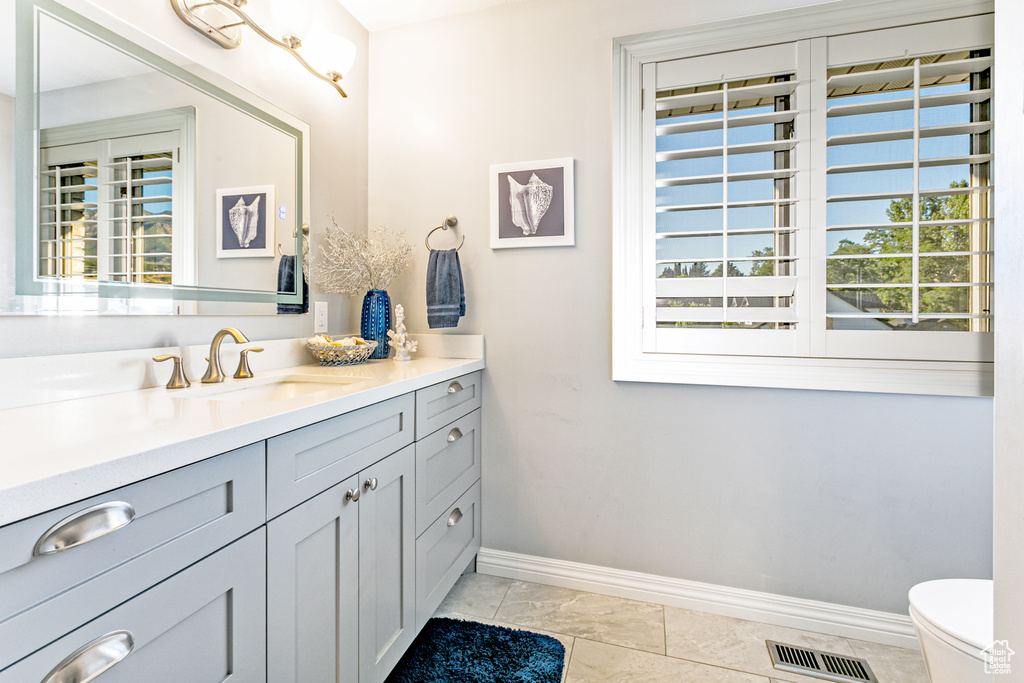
(387, 564)
(313, 590)
(203, 625)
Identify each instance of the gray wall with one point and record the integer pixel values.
(338, 183)
(841, 497)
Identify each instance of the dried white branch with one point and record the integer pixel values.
(349, 265)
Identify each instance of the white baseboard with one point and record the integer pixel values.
(809, 615)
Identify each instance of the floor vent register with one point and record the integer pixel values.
(816, 664)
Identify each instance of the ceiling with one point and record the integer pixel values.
(380, 14)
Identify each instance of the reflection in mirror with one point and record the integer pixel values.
(139, 177)
(108, 200)
(6, 154)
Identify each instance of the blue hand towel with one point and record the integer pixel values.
(446, 297)
(286, 285)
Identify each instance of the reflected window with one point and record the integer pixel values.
(107, 202)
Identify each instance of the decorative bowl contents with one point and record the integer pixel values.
(347, 351)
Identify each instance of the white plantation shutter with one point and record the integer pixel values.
(722, 219)
(68, 217)
(140, 198)
(908, 214)
(814, 213)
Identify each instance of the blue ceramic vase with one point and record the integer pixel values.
(376, 321)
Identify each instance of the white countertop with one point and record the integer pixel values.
(56, 453)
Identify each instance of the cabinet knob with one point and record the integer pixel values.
(93, 658)
(370, 484)
(352, 494)
(84, 526)
(454, 388)
(455, 517)
(454, 435)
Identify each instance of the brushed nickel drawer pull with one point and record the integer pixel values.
(370, 484)
(455, 517)
(92, 659)
(454, 387)
(454, 435)
(84, 526)
(353, 495)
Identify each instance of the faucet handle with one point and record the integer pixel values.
(178, 378)
(243, 371)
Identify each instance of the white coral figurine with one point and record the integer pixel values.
(351, 265)
(397, 338)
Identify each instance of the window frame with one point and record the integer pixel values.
(631, 361)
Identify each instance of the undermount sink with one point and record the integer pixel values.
(270, 389)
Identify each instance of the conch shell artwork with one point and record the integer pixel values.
(529, 202)
(244, 220)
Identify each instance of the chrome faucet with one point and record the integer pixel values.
(213, 372)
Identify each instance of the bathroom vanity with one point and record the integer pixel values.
(313, 548)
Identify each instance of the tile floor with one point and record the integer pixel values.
(613, 640)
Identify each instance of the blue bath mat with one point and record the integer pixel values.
(452, 651)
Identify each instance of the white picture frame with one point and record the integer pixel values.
(246, 221)
(533, 204)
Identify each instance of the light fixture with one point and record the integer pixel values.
(222, 20)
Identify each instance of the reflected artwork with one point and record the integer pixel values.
(244, 226)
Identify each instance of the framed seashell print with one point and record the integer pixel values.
(245, 222)
(532, 204)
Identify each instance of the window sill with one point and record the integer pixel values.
(888, 377)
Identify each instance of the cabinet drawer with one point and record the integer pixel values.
(302, 463)
(444, 550)
(439, 404)
(447, 462)
(207, 623)
(179, 518)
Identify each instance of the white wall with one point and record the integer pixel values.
(841, 497)
(338, 176)
(1009, 402)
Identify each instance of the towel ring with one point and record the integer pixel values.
(449, 222)
(295, 233)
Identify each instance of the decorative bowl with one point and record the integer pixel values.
(330, 354)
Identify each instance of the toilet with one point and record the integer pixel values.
(953, 621)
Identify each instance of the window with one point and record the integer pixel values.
(813, 213)
(108, 194)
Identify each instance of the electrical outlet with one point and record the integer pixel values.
(319, 316)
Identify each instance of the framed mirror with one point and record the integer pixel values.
(142, 182)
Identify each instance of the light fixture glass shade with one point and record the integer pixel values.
(291, 18)
(327, 52)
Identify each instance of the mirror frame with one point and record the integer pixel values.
(26, 162)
